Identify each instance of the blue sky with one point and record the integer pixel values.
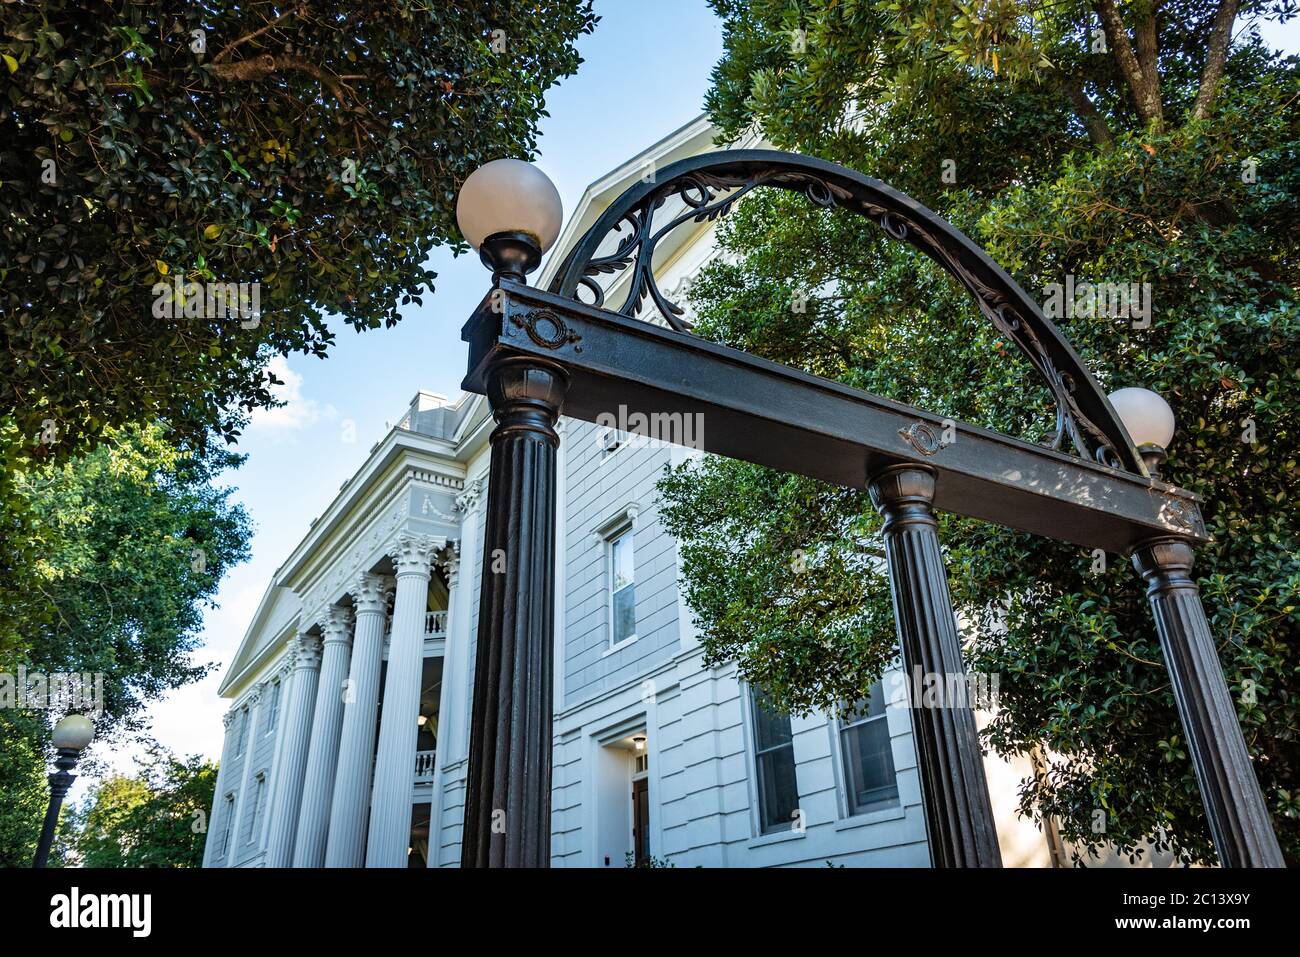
(645, 74)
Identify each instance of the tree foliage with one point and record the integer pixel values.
(115, 555)
(314, 149)
(155, 818)
(1064, 166)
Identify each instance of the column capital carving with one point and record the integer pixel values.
(468, 500)
(368, 592)
(905, 484)
(336, 624)
(228, 718)
(1165, 560)
(306, 653)
(254, 695)
(414, 554)
(449, 562)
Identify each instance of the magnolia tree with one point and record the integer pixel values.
(1134, 170)
(186, 188)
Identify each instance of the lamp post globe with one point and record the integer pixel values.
(1149, 421)
(74, 732)
(71, 736)
(511, 213)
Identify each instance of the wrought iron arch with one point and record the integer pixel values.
(711, 183)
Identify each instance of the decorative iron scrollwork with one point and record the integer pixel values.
(710, 185)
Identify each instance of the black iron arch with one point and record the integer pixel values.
(711, 183)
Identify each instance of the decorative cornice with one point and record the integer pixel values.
(427, 507)
(435, 478)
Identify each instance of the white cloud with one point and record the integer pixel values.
(296, 412)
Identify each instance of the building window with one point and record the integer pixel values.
(622, 587)
(242, 735)
(868, 759)
(230, 825)
(259, 806)
(610, 441)
(778, 791)
(273, 714)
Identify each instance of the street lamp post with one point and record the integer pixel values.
(71, 735)
(1093, 483)
(511, 213)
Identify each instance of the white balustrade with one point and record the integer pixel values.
(424, 761)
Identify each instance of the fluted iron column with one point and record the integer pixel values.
(1234, 806)
(323, 755)
(508, 803)
(959, 818)
(293, 751)
(390, 808)
(351, 803)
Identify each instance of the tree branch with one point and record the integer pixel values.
(1146, 97)
(1215, 57)
(229, 48)
(1098, 130)
(1148, 49)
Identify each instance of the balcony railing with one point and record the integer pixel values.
(435, 623)
(424, 761)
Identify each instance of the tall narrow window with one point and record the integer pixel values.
(273, 710)
(230, 825)
(868, 758)
(243, 730)
(622, 588)
(778, 790)
(259, 805)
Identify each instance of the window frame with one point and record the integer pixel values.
(273, 706)
(230, 825)
(839, 731)
(259, 807)
(612, 538)
(241, 742)
(788, 825)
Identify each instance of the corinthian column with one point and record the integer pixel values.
(347, 834)
(390, 808)
(322, 759)
(293, 751)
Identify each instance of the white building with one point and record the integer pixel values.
(359, 664)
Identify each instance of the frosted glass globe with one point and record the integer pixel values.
(74, 731)
(509, 196)
(1146, 415)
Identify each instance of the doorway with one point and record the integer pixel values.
(641, 822)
